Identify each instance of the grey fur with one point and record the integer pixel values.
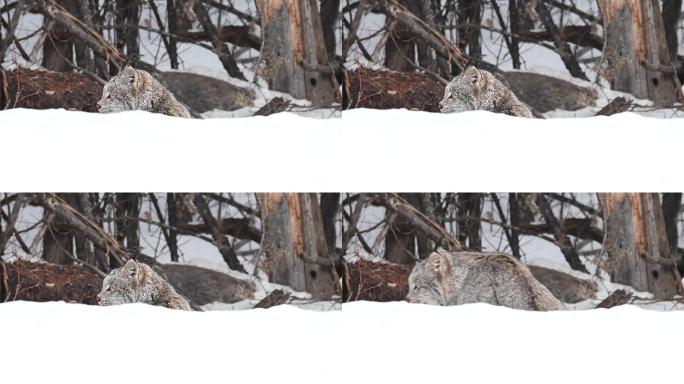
(138, 283)
(135, 89)
(477, 89)
(475, 277)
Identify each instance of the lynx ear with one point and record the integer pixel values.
(476, 78)
(440, 263)
(132, 267)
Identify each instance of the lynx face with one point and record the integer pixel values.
(426, 282)
(119, 287)
(463, 92)
(122, 92)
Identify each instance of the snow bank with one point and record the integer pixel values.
(369, 150)
(363, 343)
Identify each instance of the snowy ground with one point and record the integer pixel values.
(366, 342)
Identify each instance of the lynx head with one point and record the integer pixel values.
(124, 92)
(429, 280)
(464, 92)
(122, 285)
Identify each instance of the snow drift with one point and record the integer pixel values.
(364, 343)
(286, 152)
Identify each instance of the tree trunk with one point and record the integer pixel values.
(329, 12)
(294, 51)
(636, 52)
(469, 213)
(172, 22)
(636, 244)
(294, 243)
(127, 31)
(672, 203)
(404, 244)
(60, 244)
(59, 45)
(671, 12)
(127, 223)
(469, 21)
(329, 204)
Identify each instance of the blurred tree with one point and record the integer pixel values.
(294, 51)
(636, 51)
(636, 244)
(294, 243)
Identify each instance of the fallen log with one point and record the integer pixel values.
(40, 89)
(49, 282)
(277, 297)
(204, 286)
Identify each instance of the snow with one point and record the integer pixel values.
(365, 342)
(292, 153)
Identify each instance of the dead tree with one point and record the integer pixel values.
(127, 18)
(61, 244)
(404, 242)
(11, 222)
(58, 49)
(672, 10)
(638, 253)
(469, 213)
(9, 37)
(294, 244)
(329, 11)
(562, 47)
(636, 51)
(294, 51)
(469, 31)
(127, 211)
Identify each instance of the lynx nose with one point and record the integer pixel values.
(98, 298)
(441, 105)
(98, 105)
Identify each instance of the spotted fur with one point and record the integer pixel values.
(473, 277)
(137, 283)
(135, 89)
(476, 89)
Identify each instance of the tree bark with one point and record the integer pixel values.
(294, 51)
(672, 203)
(636, 52)
(330, 202)
(127, 31)
(294, 243)
(59, 46)
(328, 13)
(672, 9)
(61, 244)
(469, 21)
(127, 224)
(469, 213)
(636, 244)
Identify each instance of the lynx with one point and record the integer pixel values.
(135, 89)
(137, 283)
(474, 277)
(477, 89)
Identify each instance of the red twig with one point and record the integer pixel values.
(17, 290)
(17, 96)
